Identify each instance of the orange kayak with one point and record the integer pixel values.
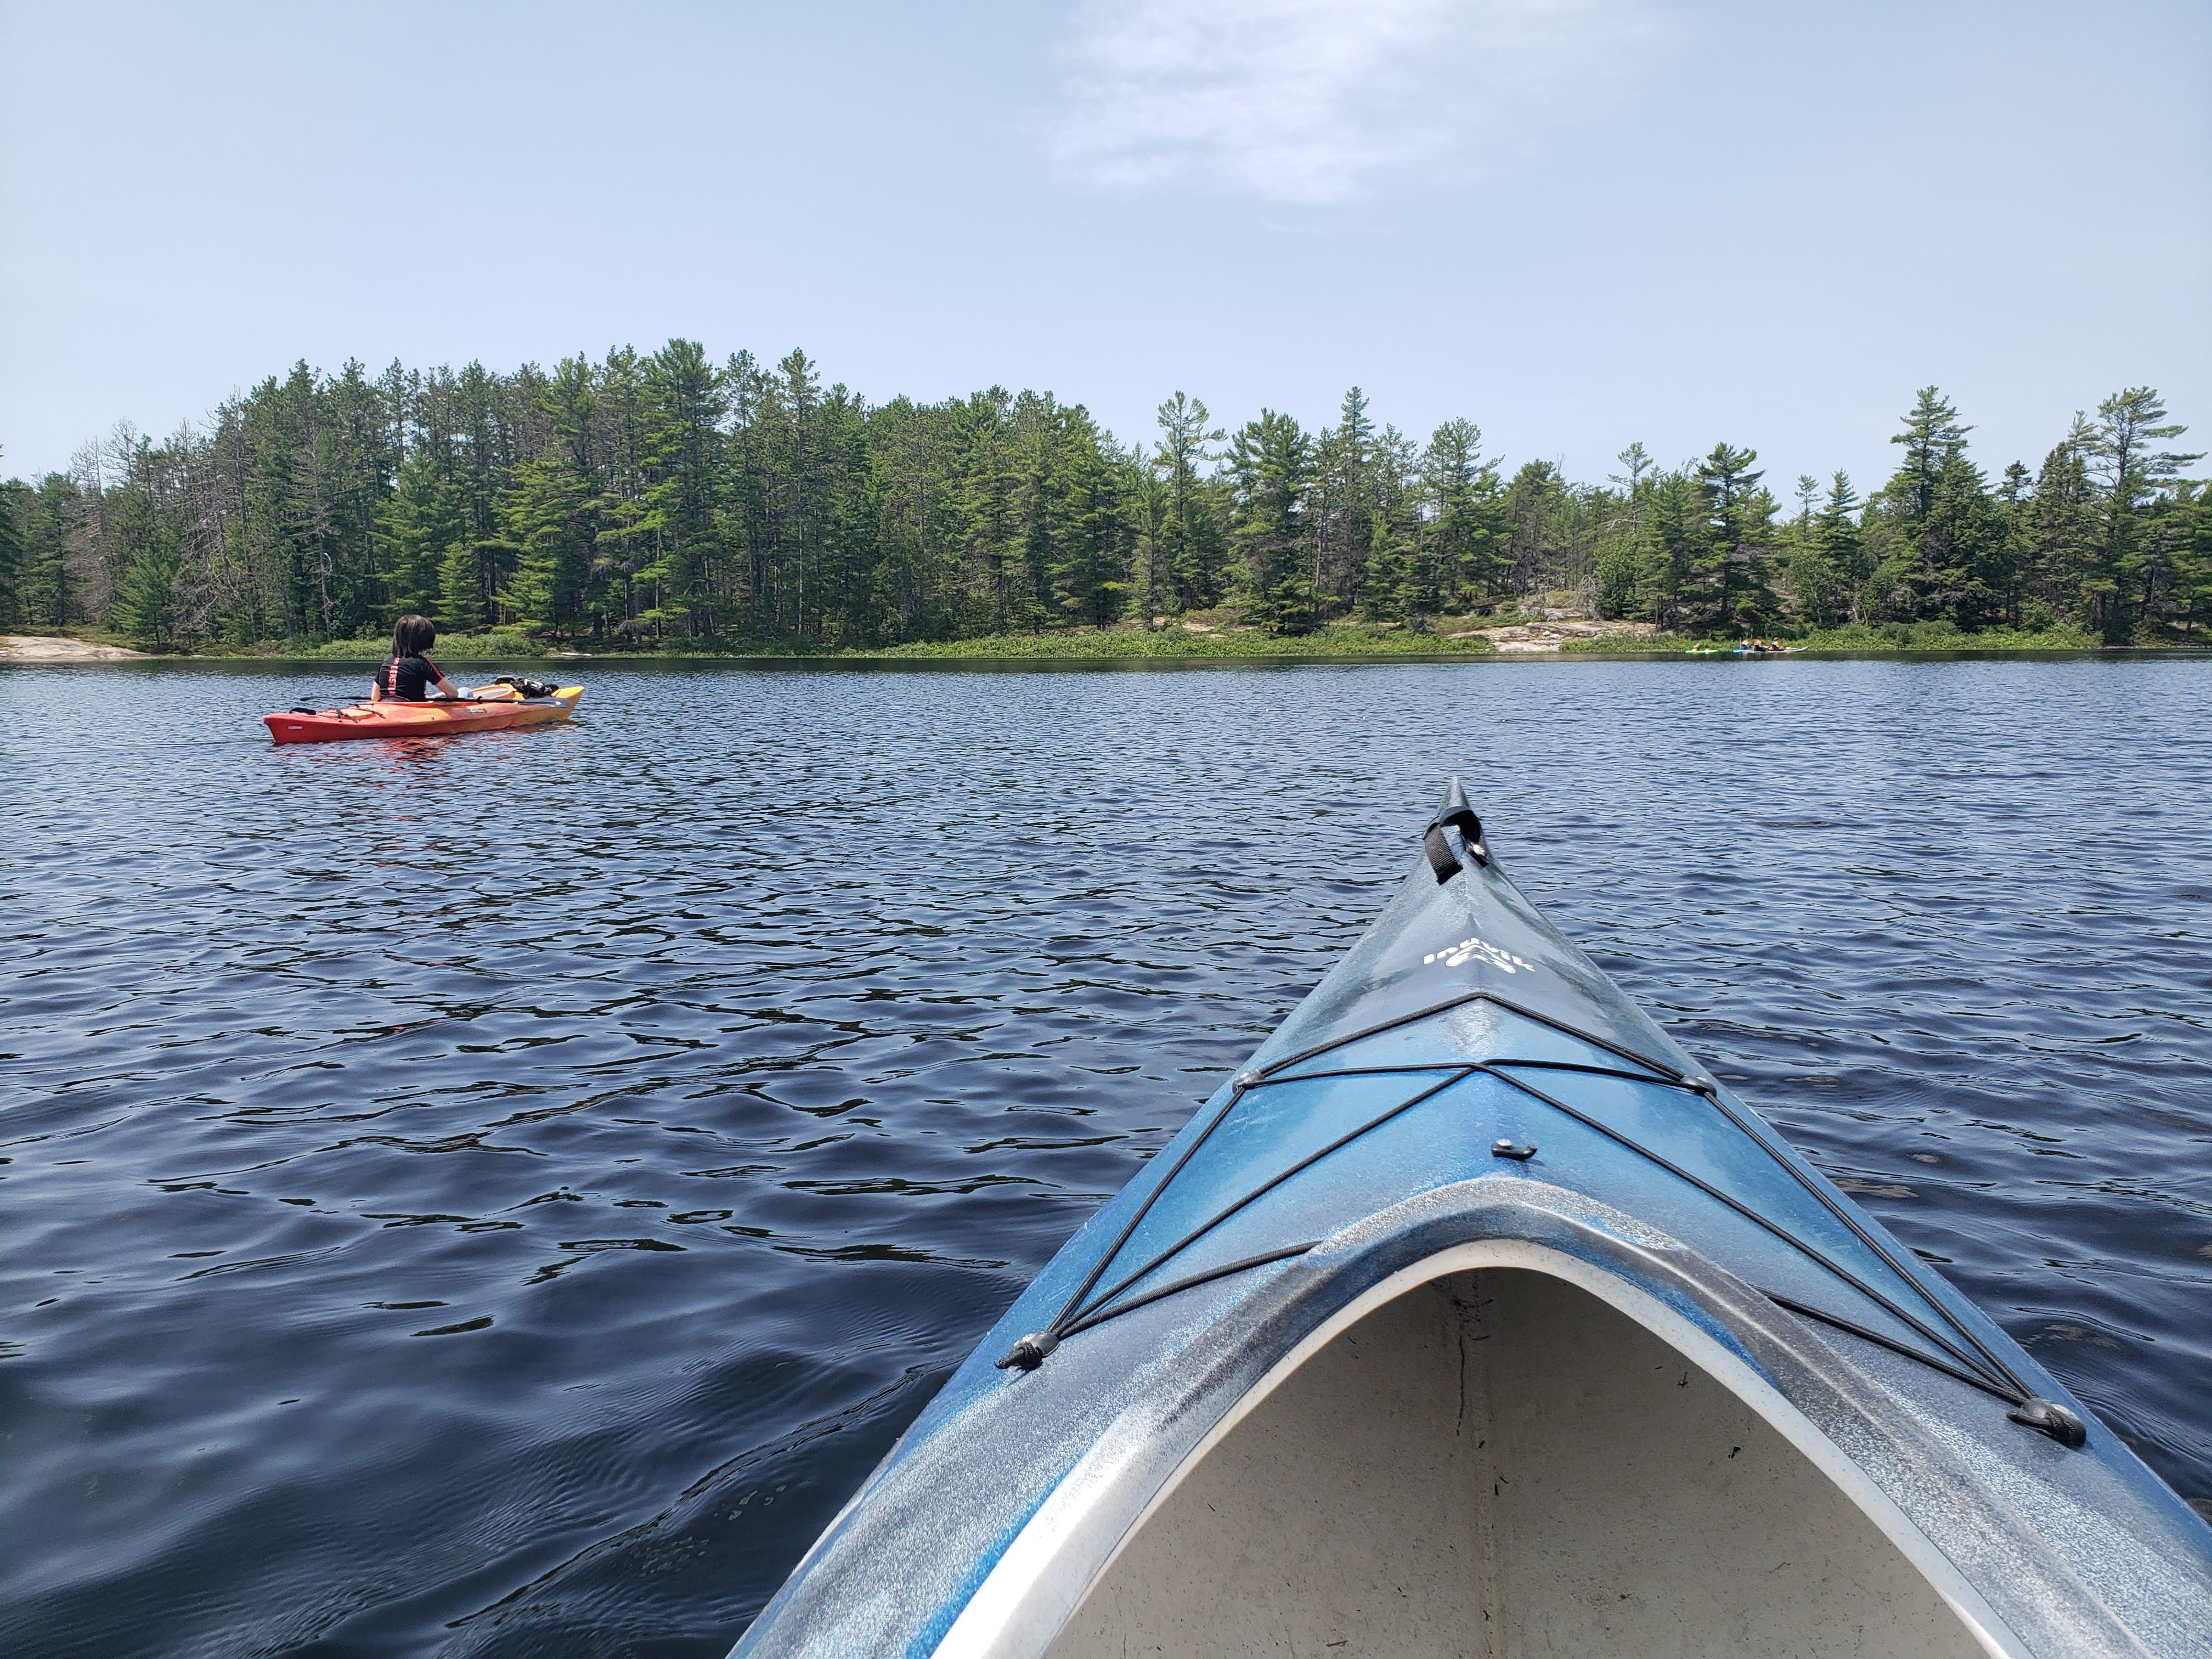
(494, 709)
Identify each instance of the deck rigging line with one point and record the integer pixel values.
(1959, 1352)
(1964, 1355)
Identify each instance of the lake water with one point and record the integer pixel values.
(498, 1197)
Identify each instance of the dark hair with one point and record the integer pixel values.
(413, 635)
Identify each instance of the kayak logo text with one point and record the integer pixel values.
(1467, 949)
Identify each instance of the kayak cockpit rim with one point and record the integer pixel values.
(1038, 1587)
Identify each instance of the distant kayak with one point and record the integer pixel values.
(1474, 1316)
(494, 708)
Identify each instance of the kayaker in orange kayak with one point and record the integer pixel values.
(409, 676)
(412, 697)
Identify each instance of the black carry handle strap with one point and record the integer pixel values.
(1442, 860)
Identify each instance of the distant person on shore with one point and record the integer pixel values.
(409, 676)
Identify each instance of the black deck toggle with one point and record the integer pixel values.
(1030, 1353)
(2049, 1417)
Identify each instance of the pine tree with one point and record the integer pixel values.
(276, 507)
(1400, 581)
(988, 491)
(419, 524)
(550, 514)
(465, 602)
(2012, 505)
(2192, 560)
(1464, 527)
(1624, 549)
(2068, 585)
(1819, 553)
(1151, 566)
(1088, 564)
(47, 595)
(355, 460)
(683, 402)
(852, 605)
(1535, 516)
(1931, 432)
(15, 509)
(912, 531)
(146, 589)
(1192, 544)
(1736, 518)
(1936, 534)
(1669, 576)
(477, 416)
(2136, 477)
(1341, 504)
(1963, 576)
(1270, 468)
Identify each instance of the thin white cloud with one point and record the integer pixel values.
(1316, 100)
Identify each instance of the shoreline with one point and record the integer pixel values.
(1142, 650)
(1056, 659)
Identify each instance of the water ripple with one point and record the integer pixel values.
(497, 1198)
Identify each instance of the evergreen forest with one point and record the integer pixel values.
(670, 501)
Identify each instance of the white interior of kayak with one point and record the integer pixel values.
(1500, 1454)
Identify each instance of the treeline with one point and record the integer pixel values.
(670, 498)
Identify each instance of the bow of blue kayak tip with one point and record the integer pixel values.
(1472, 1316)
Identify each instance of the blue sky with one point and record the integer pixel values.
(1576, 221)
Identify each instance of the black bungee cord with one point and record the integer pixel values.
(1966, 1357)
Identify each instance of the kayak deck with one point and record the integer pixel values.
(1480, 1084)
(434, 718)
(1473, 1317)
